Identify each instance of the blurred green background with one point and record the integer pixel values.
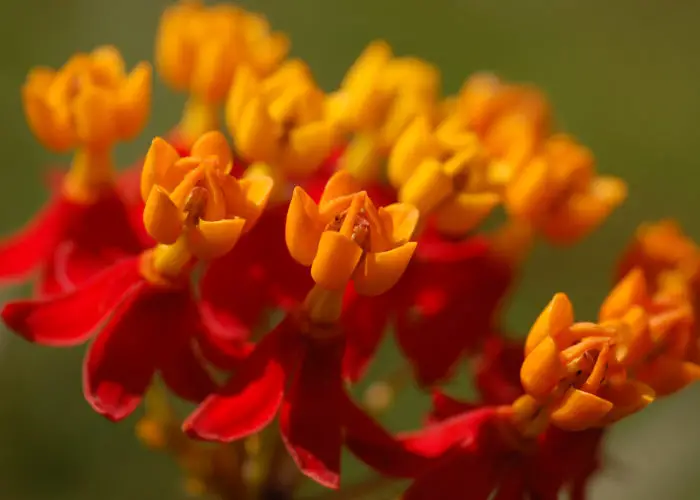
(623, 76)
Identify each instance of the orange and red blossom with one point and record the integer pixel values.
(345, 238)
(87, 105)
(572, 374)
(450, 185)
(660, 340)
(280, 120)
(198, 49)
(560, 194)
(194, 208)
(141, 309)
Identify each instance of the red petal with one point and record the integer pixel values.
(311, 416)
(72, 318)
(176, 319)
(69, 266)
(365, 319)
(121, 362)
(367, 440)
(96, 236)
(497, 371)
(258, 274)
(451, 293)
(445, 407)
(24, 251)
(252, 397)
(460, 474)
(467, 429)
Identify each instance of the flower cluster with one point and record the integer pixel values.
(353, 213)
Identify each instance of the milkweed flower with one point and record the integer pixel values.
(559, 192)
(477, 447)
(198, 49)
(278, 120)
(296, 369)
(87, 105)
(141, 311)
(379, 97)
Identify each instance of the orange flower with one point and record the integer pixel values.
(657, 339)
(280, 120)
(346, 238)
(90, 102)
(570, 371)
(453, 185)
(198, 49)
(379, 97)
(560, 194)
(194, 207)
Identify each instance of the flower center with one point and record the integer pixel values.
(360, 227)
(195, 206)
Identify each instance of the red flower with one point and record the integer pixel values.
(450, 295)
(148, 328)
(293, 375)
(69, 241)
(475, 449)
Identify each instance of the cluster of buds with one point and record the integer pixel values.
(296, 217)
(199, 49)
(280, 119)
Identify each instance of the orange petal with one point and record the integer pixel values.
(308, 145)
(464, 212)
(381, 271)
(160, 158)
(558, 315)
(256, 191)
(134, 101)
(667, 375)
(629, 291)
(579, 410)
(214, 239)
(303, 228)
(336, 260)
(414, 145)
(634, 342)
(213, 144)
(341, 183)
(427, 187)
(399, 221)
(95, 114)
(161, 217)
(627, 398)
(542, 370)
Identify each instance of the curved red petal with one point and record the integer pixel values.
(68, 267)
(311, 415)
(377, 448)
(450, 295)
(176, 318)
(23, 252)
(250, 400)
(121, 362)
(73, 317)
(497, 372)
(445, 407)
(365, 319)
(258, 274)
(467, 429)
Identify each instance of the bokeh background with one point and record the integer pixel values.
(623, 76)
